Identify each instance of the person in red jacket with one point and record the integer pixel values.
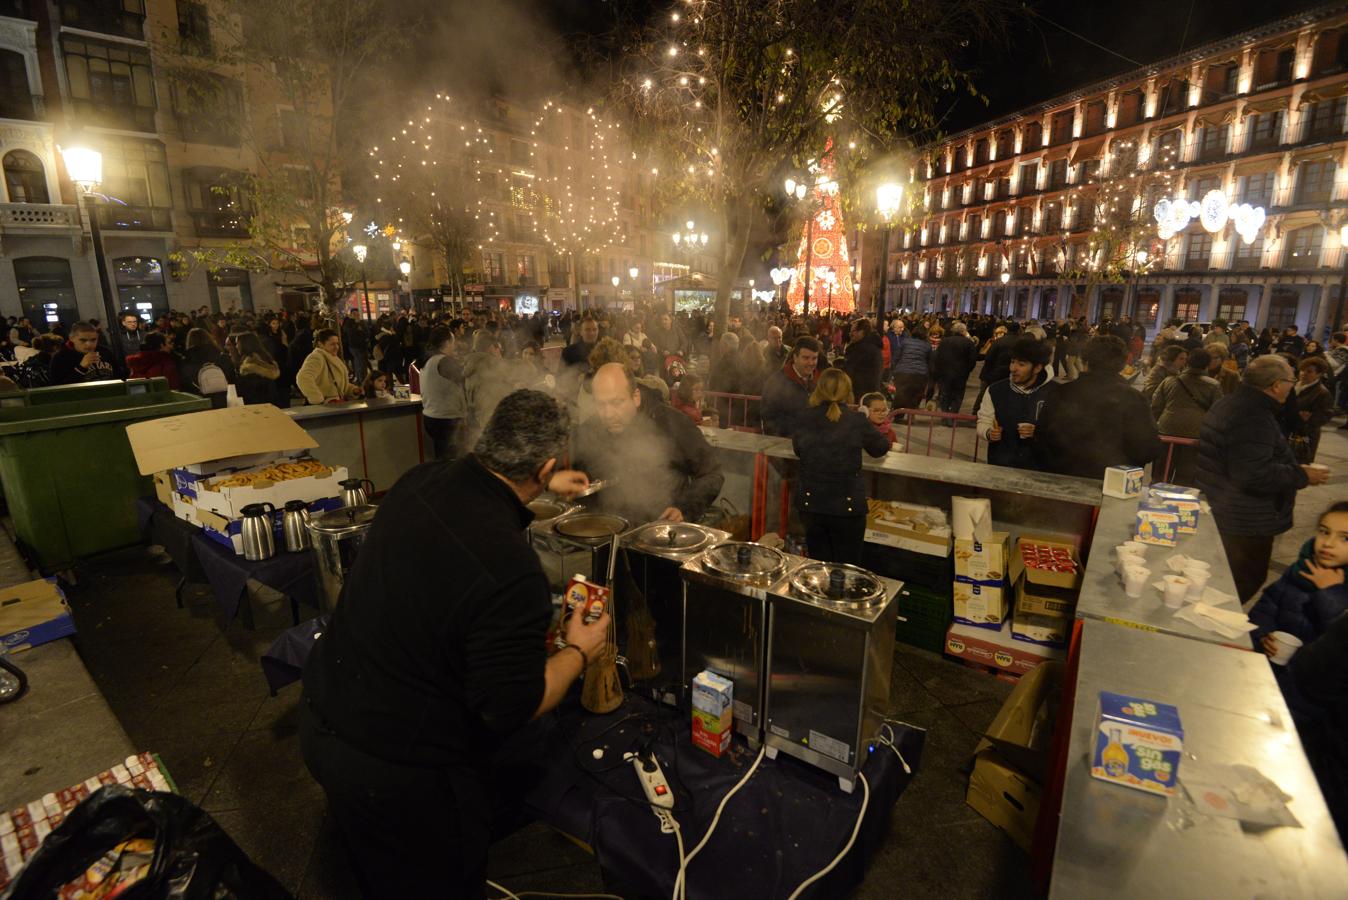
(154, 361)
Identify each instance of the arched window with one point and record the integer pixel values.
(25, 179)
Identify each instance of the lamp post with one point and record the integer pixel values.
(360, 250)
(1006, 278)
(406, 268)
(85, 168)
(887, 199)
(633, 273)
(917, 287)
(615, 281)
(1343, 279)
(798, 190)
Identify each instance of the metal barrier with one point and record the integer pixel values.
(1172, 441)
(725, 405)
(954, 420)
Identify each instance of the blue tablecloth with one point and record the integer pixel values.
(283, 663)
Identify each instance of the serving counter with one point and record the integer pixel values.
(374, 439)
(1102, 595)
(1117, 842)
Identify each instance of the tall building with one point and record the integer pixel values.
(110, 74)
(1061, 196)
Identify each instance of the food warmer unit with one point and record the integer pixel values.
(830, 655)
(575, 542)
(649, 602)
(725, 612)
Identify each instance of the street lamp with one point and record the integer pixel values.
(1006, 300)
(888, 196)
(360, 250)
(85, 168)
(405, 267)
(797, 189)
(917, 286)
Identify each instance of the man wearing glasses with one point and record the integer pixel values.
(1248, 472)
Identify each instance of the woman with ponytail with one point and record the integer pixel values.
(830, 492)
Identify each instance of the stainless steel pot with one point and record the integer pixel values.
(295, 526)
(256, 532)
(337, 538)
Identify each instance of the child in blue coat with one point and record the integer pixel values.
(1311, 593)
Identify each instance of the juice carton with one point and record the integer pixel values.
(583, 598)
(713, 702)
(1138, 743)
(1184, 501)
(1157, 523)
(1123, 482)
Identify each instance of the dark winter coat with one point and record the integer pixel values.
(955, 358)
(1295, 605)
(1093, 423)
(785, 396)
(1246, 467)
(1181, 401)
(864, 364)
(910, 356)
(997, 362)
(830, 481)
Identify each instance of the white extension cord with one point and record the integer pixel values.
(680, 887)
(856, 829)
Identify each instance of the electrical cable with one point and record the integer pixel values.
(505, 891)
(856, 829)
(680, 888)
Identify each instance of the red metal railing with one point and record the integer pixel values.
(954, 420)
(1172, 441)
(726, 405)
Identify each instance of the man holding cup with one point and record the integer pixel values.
(1009, 410)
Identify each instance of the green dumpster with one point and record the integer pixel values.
(68, 473)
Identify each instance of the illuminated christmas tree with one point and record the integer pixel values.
(823, 248)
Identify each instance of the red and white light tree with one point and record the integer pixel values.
(823, 257)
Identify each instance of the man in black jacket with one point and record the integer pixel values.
(786, 393)
(865, 359)
(659, 462)
(1098, 420)
(435, 657)
(1009, 414)
(1247, 470)
(997, 362)
(953, 361)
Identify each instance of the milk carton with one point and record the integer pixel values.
(1157, 523)
(1138, 743)
(713, 701)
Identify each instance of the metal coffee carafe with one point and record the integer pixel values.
(354, 493)
(256, 533)
(295, 526)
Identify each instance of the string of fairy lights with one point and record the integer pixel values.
(566, 185)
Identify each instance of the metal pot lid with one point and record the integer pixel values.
(257, 509)
(838, 584)
(296, 506)
(544, 510)
(347, 520)
(744, 561)
(591, 526)
(680, 537)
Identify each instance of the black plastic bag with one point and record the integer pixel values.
(193, 857)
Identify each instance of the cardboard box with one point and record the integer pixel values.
(979, 603)
(230, 501)
(228, 532)
(1123, 482)
(1005, 797)
(163, 488)
(996, 648)
(1157, 523)
(1023, 728)
(1044, 591)
(983, 560)
(1036, 628)
(713, 704)
(1138, 743)
(32, 614)
(1043, 601)
(215, 439)
(182, 508)
(921, 529)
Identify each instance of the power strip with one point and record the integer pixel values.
(653, 781)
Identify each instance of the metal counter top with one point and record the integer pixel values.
(300, 413)
(1117, 842)
(1102, 595)
(1044, 485)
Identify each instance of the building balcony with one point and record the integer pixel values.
(120, 217)
(36, 218)
(27, 107)
(215, 223)
(109, 115)
(108, 18)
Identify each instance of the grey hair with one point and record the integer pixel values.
(959, 328)
(730, 340)
(528, 429)
(1265, 371)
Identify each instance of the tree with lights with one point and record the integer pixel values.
(726, 94)
(823, 258)
(304, 64)
(436, 177)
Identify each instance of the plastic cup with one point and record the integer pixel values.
(1176, 587)
(1135, 581)
(1198, 581)
(1288, 645)
(1136, 547)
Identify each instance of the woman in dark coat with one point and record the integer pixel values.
(1309, 407)
(830, 490)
